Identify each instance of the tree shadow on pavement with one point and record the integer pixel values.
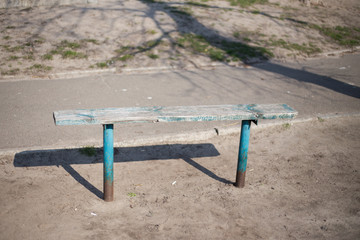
(68, 157)
(187, 24)
(187, 32)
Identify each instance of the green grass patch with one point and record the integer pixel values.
(68, 44)
(13, 49)
(102, 65)
(344, 36)
(308, 49)
(13, 58)
(217, 55)
(125, 57)
(67, 50)
(105, 64)
(40, 67)
(246, 3)
(286, 126)
(221, 50)
(72, 54)
(153, 56)
(321, 119)
(131, 194)
(10, 72)
(152, 32)
(89, 151)
(47, 56)
(244, 51)
(255, 12)
(6, 37)
(236, 34)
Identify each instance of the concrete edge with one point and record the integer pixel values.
(61, 75)
(180, 137)
(84, 73)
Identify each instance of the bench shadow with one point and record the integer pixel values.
(66, 157)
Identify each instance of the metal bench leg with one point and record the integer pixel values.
(108, 162)
(243, 153)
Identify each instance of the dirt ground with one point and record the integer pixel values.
(122, 35)
(302, 182)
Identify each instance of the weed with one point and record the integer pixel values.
(344, 36)
(13, 49)
(10, 72)
(286, 125)
(236, 34)
(131, 194)
(47, 56)
(217, 55)
(153, 32)
(72, 54)
(71, 45)
(10, 27)
(196, 42)
(243, 51)
(125, 57)
(40, 67)
(153, 56)
(13, 58)
(223, 50)
(6, 37)
(304, 48)
(89, 151)
(246, 3)
(65, 49)
(321, 119)
(255, 12)
(104, 64)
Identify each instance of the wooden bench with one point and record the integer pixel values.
(109, 116)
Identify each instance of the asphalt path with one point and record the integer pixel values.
(314, 87)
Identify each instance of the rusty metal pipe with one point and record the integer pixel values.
(243, 153)
(108, 162)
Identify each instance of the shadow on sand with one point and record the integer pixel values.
(67, 157)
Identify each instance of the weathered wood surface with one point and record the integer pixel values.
(174, 114)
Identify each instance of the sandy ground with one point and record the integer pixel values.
(37, 42)
(303, 182)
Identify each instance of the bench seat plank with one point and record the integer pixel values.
(174, 114)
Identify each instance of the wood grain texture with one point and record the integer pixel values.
(174, 114)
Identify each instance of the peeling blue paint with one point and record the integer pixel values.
(174, 114)
(244, 145)
(108, 153)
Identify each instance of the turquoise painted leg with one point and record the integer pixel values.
(243, 153)
(108, 162)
